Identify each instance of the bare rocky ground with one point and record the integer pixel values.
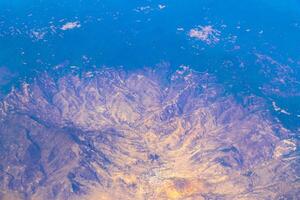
(114, 135)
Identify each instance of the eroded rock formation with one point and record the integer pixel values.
(114, 135)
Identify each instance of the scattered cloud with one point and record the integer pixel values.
(143, 9)
(207, 34)
(161, 6)
(38, 34)
(278, 109)
(71, 25)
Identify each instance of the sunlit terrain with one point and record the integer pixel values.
(113, 134)
(149, 100)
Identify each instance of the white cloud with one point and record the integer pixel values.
(207, 34)
(71, 25)
(278, 109)
(161, 6)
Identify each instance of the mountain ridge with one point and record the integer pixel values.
(111, 134)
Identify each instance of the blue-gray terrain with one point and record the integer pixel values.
(149, 100)
(145, 134)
